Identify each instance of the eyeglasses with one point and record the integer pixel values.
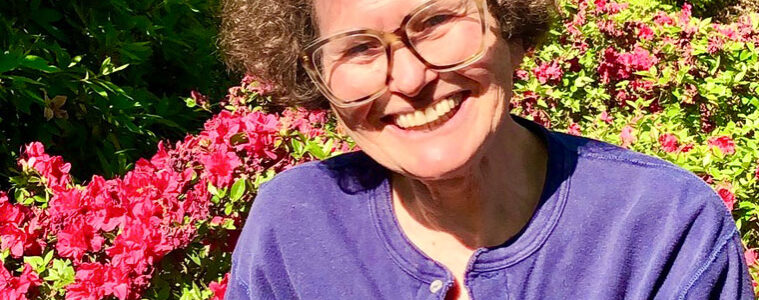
(353, 68)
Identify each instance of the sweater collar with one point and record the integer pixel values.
(517, 248)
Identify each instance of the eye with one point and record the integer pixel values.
(436, 20)
(358, 49)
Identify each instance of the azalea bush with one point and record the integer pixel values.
(164, 230)
(654, 79)
(642, 74)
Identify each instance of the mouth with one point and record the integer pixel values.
(430, 117)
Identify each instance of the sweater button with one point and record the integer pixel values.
(436, 286)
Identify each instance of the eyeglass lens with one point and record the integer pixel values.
(445, 33)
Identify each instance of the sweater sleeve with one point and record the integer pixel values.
(723, 275)
(259, 270)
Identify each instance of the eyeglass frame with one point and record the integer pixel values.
(388, 39)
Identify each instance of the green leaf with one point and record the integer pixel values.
(745, 55)
(37, 263)
(228, 208)
(38, 63)
(106, 67)
(229, 224)
(190, 102)
(25, 80)
(61, 274)
(216, 191)
(9, 61)
(99, 90)
(238, 189)
(75, 61)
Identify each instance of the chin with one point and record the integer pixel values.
(436, 163)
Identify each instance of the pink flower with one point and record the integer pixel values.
(750, 255)
(723, 143)
(16, 287)
(66, 204)
(725, 192)
(627, 136)
(13, 239)
(606, 117)
(715, 44)
(219, 165)
(12, 214)
(669, 142)
(757, 173)
(52, 168)
(96, 281)
(548, 72)
(88, 284)
(618, 66)
(610, 8)
(685, 14)
(661, 18)
(574, 129)
(219, 288)
(77, 239)
(728, 31)
(645, 32)
(522, 75)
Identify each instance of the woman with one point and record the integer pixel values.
(451, 197)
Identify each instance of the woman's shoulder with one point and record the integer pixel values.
(631, 177)
(319, 187)
(349, 172)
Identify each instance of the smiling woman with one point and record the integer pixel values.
(452, 197)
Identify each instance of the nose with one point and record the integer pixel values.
(409, 75)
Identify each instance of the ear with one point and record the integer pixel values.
(517, 51)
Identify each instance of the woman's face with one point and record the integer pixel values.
(444, 147)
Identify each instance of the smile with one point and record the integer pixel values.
(431, 116)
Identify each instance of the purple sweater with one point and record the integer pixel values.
(611, 224)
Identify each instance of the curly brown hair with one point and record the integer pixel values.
(265, 37)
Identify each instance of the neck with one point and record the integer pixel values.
(489, 202)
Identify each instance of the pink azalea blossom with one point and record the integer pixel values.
(627, 136)
(669, 142)
(645, 32)
(17, 287)
(219, 288)
(725, 192)
(548, 72)
(618, 66)
(574, 129)
(522, 74)
(685, 14)
(723, 143)
(750, 256)
(606, 117)
(220, 163)
(661, 18)
(77, 239)
(13, 239)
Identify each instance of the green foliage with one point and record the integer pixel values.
(704, 8)
(686, 91)
(100, 82)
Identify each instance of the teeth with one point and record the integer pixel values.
(419, 118)
(431, 115)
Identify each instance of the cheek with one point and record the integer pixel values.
(358, 119)
(493, 69)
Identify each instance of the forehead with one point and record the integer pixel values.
(339, 15)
